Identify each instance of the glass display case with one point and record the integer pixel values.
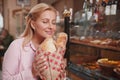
(89, 42)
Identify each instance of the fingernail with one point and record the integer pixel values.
(42, 57)
(46, 67)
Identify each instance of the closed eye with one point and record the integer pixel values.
(45, 21)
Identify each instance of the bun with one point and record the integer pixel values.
(48, 45)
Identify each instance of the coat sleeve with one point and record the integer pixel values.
(10, 66)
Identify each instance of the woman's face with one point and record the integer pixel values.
(45, 25)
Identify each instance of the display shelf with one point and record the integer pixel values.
(88, 74)
(95, 45)
(81, 49)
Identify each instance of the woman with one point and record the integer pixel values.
(19, 58)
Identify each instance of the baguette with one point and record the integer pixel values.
(51, 45)
(48, 45)
(61, 39)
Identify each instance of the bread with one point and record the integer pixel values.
(61, 39)
(103, 60)
(107, 62)
(48, 45)
(51, 45)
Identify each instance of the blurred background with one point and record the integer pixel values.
(94, 29)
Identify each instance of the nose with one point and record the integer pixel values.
(51, 26)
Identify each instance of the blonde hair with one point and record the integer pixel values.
(33, 15)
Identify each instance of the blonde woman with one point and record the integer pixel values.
(19, 58)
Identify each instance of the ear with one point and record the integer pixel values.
(32, 25)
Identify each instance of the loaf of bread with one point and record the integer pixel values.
(48, 45)
(51, 45)
(61, 39)
(54, 58)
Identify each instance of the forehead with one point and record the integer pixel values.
(48, 14)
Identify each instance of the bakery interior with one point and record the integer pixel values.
(93, 28)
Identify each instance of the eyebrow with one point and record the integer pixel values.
(48, 19)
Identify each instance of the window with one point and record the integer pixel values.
(23, 2)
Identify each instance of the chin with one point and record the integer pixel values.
(48, 36)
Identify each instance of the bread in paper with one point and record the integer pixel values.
(48, 45)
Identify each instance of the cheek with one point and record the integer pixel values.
(40, 27)
(55, 28)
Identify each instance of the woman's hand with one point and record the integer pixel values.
(55, 65)
(64, 63)
(49, 66)
(39, 65)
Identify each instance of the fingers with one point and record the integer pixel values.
(63, 64)
(40, 58)
(41, 62)
(45, 61)
(34, 70)
(41, 66)
(61, 51)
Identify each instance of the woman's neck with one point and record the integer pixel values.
(37, 41)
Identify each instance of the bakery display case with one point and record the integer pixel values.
(93, 48)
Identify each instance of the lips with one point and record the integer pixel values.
(49, 32)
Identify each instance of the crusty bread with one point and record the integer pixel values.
(48, 45)
(61, 39)
(51, 45)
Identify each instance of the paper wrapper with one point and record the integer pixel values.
(54, 50)
(55, 71)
